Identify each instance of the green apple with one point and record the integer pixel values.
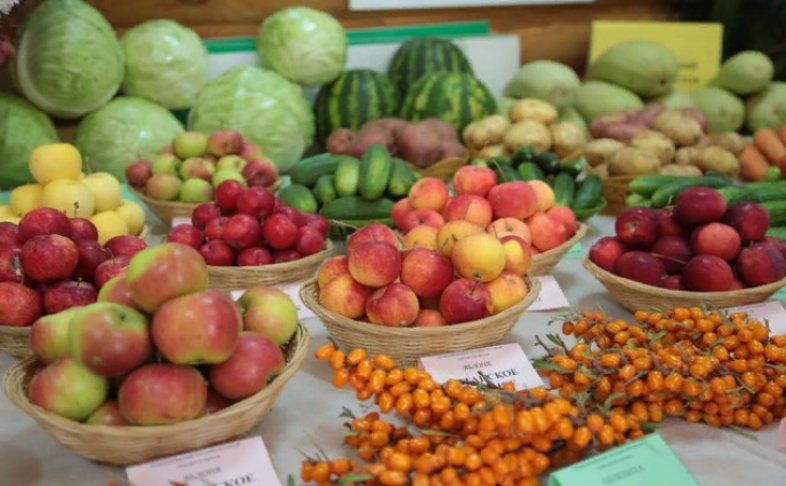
(197, 167)
(269, 311)
(106, 189)
(165, 164)
(68, 389)
(228, 175)
(49, 336)
(231, 162)
(164, 187)
(190, 144)
(196, 191)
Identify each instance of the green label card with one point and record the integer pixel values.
(779, 295)
(644, 462)
(575, 251)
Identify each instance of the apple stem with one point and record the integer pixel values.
(76, 208)
(466, 211)
(474, 287)
(669, 258)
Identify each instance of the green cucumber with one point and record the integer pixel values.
(347, 177)
(530, 172)
(574, 167)
(357, 208)
(773, 174)
(548, 162)
(401, 179)
(307, 171)
(777, 211)
(777, 232)
(564, 189)
(506, 173)
(589, 193)
(523, 154)
(375, 168)
(757, 192)
(324, 189)
(500, 160)
(299, 197)
(634, 200)
(648, 184)
(668, 193)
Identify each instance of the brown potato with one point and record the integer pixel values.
(341, 142)
(719, 160)
(680, 170)
(490, 151)
(599, 151)
(567, 139)
(645, 116)
(531, 109)
(528, 133)
(451, 149)
(680, 127)
(497, 124)
(390, 125)
(624, 132)
(444, 130)
(633, 161)
(419, 147)
(369, 138)
(731, 141)
(656, 143)
(600, 124)
(697, 115)
(686, 155)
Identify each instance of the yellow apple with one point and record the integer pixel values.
(6, 211)
(10, 219)
(55, 161)
(133, 214)
(25, 198)
(72, 198)
(109, 225)
(106, 190)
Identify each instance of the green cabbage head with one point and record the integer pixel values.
(304, 45)
(22, 128)
(69, 61)
(165, 62)
(263, 106)
(123, 131)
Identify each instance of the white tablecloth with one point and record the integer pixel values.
(309, 407)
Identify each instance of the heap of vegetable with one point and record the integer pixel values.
(765, 158)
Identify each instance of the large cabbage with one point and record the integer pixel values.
(22, 129)
(304, 45)
(165, 62)
(122, 131)
(263, 106)
(69, 61)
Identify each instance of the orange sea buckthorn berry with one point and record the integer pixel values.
(337, 360)
(356, 356)
(394, 377)
(320, 473)
(610, 360)
(340, 377)
(324, 352)
(306, 470)
(384, 362)
(568, 328)
(696, 313)
(640, 315)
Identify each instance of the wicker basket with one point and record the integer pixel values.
(406, 345)
(444, 169)
(227, 279)
(169, 210)
(616, 190)
(132, 444)
(635, 296)
(544, 263)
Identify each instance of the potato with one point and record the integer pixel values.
(656, 143)
(451, 149)
(697, 115)
(390, 125)
(417, 146)
(444, 130)
(531, 109)
(601, 171)
(341, 142)
(600, 124)
(686, 155)
(624, 132)
(717, 159)
(369, 137)
(599, 151)
(730, 141)
(490, 151)
(469, 131)
(497, 124)
(645, 116)
(528, 133)
(479, 136)
(680, 170)
(567, 139)
(680, 127)
(633, 161)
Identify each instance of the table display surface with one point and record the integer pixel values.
(308, 408)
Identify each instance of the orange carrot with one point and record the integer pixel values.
(782, 133)
(770, 144)
(753, 164)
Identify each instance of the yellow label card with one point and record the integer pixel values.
(698, 46)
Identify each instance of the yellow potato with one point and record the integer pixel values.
(528, 134)
(531, 109)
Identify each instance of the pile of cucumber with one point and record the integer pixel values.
(344, 188)
(584, 197)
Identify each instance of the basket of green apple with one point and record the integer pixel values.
(185, 173)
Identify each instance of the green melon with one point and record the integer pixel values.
(350, 101)
(545, 80)
(425, 55)
(594, 98)
(458, 99)
(725, 111)
(645, 68)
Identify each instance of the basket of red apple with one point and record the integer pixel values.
(421, 301)
(187, 172)
(49, 263)
(430, 216)
(249, 237)
(699, 250)
(160, 365)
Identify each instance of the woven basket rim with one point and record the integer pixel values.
(581, 231)
(15, 330)
(373, 329)
(274, 268)
(604, 276)
(13, 391)
(181, 205)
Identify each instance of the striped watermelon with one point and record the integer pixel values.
(425, 55)
(458, 99)
(354, 98)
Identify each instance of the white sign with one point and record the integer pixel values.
(293, 291)
(551, 296)
(771, 311)
(179, 221)
(241, 463)
(425, 4)
(500, 364)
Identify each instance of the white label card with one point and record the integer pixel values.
(242, 463)
(178, 221)
(293, 291)
(550, 297)
(501, 364)
(771, 311)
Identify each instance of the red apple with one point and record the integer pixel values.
(47, 258)
(241, 231)
(82, 230)
(515, 199)
(43, 221)
(215, 403)
(637, 227)
(91, 255)
(465, 300)
(110, 339)
(260, 172)
(137, 173)
(699, 205)
(186, 234)
(117, 292)
(250, 150)
(227, 194)
(317, 221)
(707, 273)
(19, 305)
(474, 180)
(255, 359)
(419, 216)
(716, 239)
(668, 227)
(68, 389)
(394, 305)
(256, 202)
(640, 266)
(374, 264)
(373, 232)
(215, 228)
(10, 264)
(284, 256)
(9, 234)
(279, 232)
(760, 264)
(111, 268)
(254, 256)
(49, 336)
(426, 272)
(269, 311)
(750, 220)
(68, 293)
(674, 252)
(293, 214)
(737, 285)
(605, 252)
(107, 414)
(399, 211)
(674, 282)
(309, 241)
(217, 253)
(204, 214)
(125, 245)
(225, 142)
(197, 328)
(158, 394)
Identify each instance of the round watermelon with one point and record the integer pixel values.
(458, 99)
(425, 55)
(350, 101)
